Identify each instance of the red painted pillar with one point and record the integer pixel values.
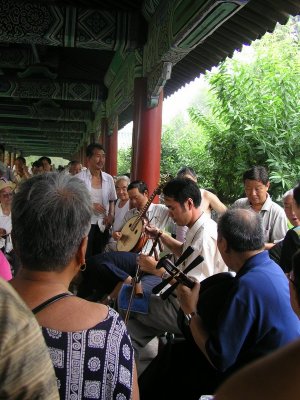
(146, 138)
(111, 148)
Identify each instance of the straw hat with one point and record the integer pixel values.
(5, 184)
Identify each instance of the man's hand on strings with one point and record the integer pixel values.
(151, 231)
(117, 235)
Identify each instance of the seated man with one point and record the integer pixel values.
(275, 376)
(256, 185)
(256, 317)
(182, 198)
(106, 272)
(210, 203)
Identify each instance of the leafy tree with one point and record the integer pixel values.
(124, 160)
(182, 145)
(254, 115)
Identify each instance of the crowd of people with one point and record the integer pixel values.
(76, 244)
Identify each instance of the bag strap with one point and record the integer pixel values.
(50, 301)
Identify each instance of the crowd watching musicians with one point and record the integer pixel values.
(254, 319)
(182, 198)
(256, 185)
(26, 371)
(90, 348)
(103, 193)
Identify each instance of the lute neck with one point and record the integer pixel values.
(144, 209)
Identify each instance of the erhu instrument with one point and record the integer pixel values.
(176, 273)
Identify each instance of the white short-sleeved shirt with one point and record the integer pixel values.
(203, 238)
(108, 190)
(157, 215)
(273, 217)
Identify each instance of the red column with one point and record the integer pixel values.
(146, 139)
(111, 148)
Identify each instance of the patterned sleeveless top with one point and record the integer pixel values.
(96, 363)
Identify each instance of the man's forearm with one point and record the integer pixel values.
(174, 245)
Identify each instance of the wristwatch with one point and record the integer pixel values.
(188, 317)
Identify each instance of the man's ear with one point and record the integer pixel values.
(223, 245)
(268, 185)
(190, 203)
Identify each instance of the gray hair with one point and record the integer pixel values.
(288, 193)
(123, 178)
(242, 229)
(51, 214)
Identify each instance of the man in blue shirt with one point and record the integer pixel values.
(256, 317)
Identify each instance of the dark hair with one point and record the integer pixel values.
(296, 272)
(296, 194)
(140, 185)
(20, 158)
(45, 158)
(51, 214)
(74, 162)
(186, 171)
(242, 229)
(182, 189)
(37, 164)
(257, 173)
(91, 147)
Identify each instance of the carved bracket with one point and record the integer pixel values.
(156, 81)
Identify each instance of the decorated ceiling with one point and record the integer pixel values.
(65, 65)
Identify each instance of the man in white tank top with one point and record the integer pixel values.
(103, 193)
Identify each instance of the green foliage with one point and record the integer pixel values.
(254, 116)
(124, 161)
(182, 145)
